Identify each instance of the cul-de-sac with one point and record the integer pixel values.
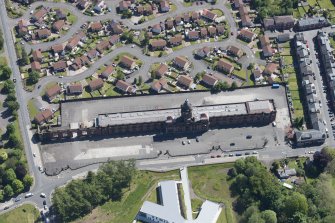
(167, 111)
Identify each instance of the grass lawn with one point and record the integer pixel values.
(26, 213)
(326, 4)
(72, 18)
(311, 2)
(32, 109)
(210, 182)
(218, 12)
(240, 73)
(125, 210)
(3, 61)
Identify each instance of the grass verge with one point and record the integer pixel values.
(26, 213)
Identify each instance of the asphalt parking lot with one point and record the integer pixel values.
(80, 153)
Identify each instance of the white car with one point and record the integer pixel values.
(43, 195)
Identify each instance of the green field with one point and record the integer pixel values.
(125, 210)
(326, 4)
(210, 182)
(26, 213)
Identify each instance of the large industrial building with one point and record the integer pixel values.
(146, 119)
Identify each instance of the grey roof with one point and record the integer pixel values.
(309, 135)
(170, 209)
(161, 115)
(312, 22)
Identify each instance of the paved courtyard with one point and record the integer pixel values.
(79, 153)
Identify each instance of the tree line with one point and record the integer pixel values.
(261, 198)
(80, 197)
(268, 8)
(14, 177)
(1, 40)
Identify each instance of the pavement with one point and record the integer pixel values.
(276, 148)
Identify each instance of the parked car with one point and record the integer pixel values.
(43, 195)
(249, 136)
(247, 153)
(238, 154)
(29, 195)
(17, 199)
(232, 144)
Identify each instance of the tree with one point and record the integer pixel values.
(17, 186)
(28, 181)
(1, 40)
(233, 85)
(10, 97)
(294, 204)
(9, 176)
(269, 216)
(3, 156)
(6, 72)
(120, 75)
(13, 141)
(8, 87)
(8, 191)
(1, 196)
(10, 128)
(322, 158)
(33, 77)
(140, 81)
(12, 105)
(20, 171)
(25, 59)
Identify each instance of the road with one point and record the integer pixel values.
(48, 184)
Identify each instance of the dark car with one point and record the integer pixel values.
(232, 144)
(249, 136)
(247, 153)
(218, 156)
(238, 154)
(44, 202)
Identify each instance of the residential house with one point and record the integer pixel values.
(144, 9)
(52, 92)
(57, 48)
(79, 62)
(75, 89)
(59, 66)
(114, 39)
(176, 40)
(124, 5)
(284, 22)
(266, 46)
(209, 80)
(225, 66)
(73, 42)
(247, 35)
(58, 25)
(178, 20)
(235, 51)
(103, 46)
(60, 15)
(309, 23)
(270, 68)
(39, 14)
(203, 32)
(95, 26)
(220, 29)
(238, 3)
(257, 75)
(284, 37)
(107, 72)
(115, 27)
(128, 62)
(185, 81)
(36, 66)
(92, 54)
(181, 62)
(82, 4)
(286, 173)
(193, 35)
(22, 27)
(43, 117)
(269, 24)
(195, 16)
(211, 31)
(203, 52)
(37, 55)
(169, 24)
(157, 44)
(164, 6)
(245, 18)
(159, 85)
(207, 14)
(161, 70)
(125, 87)
(43, 33)
(156, 29)
(99, 7)
(186, 17)
(96, 84)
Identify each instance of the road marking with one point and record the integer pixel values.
(173, 160)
